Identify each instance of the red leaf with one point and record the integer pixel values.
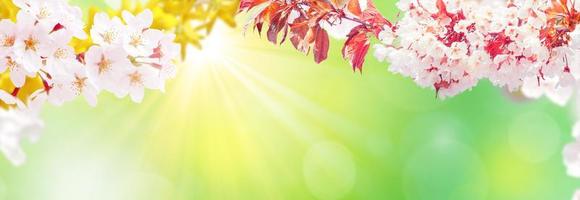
(339, 3)
(372, 16)
(265, 15)
(356, 47)
(278, 23)
(249, 4)
(285, 31)
(258, 27)
(298, 32)
(354, 7)
(274, 29)
(321, 44)
(305, 32)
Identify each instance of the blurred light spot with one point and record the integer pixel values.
(436, 128)
(329, 170)
(448, 170)
(215, 48)
(94, 182)
(95, 176)
(534, 137)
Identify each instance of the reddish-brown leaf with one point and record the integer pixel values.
(246, 5)
(265, 15)
(321, 44)
(285, 35)
(278, 23)
(356, 47)
(258, 27)
(298, 32)
(375, 19)
(340, 3)
(305, 32)
(354, 7)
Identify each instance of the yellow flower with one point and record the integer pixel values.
(32, 85)
(190, 20)
(7, 10)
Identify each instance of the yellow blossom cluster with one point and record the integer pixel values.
(190, 20)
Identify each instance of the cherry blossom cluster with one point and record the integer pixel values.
(127, 57)
(451, 45)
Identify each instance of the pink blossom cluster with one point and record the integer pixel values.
(126, 58)
(451, 45)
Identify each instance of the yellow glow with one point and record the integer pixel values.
(215, 48)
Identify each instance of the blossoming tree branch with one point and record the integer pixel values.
(306, 24)
(49, 55)
(527, 46)
(446, 45)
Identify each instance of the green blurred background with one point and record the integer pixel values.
(248, 120)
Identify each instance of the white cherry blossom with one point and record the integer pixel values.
(72, 23)
(105, 64)
(31, 42)
(572, 155)
(576, 195)
(139, 40)
(165, 53)
(140, 22)
(134, 81)
(18, 72)
(59, 54)
(451, 49)
(45, 12)
(558, 94)
(107, 31)
(73, 83)
(7, 36)
(81, 85)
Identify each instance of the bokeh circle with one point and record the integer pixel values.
(449, 170)
(534, 136)
(329, 170)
